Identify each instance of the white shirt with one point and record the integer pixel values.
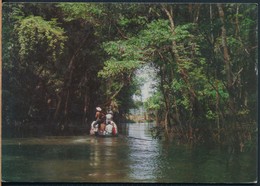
(109, 116)
(109, 129)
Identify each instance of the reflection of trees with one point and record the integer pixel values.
(108, 161)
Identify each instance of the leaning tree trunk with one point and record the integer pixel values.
(87, 97)
(67, 91)
(166, 101)
(183, 72)
(227, 60)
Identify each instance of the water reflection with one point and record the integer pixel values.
(143, 153)
(132, 157)
(64, 159)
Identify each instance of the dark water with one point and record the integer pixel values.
(134, 157)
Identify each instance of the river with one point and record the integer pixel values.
(132, 157)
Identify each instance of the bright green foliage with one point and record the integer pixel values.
(87, 11)
(128, 55)
(89, 53)
(155, 102)
(11, 15)
(36, 35)
(156, 33)
(114, 68)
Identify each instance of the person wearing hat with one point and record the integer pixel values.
(98, 116)
(98, 112)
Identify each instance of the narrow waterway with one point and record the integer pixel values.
(132, 157)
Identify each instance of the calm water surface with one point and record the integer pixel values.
(133, 157)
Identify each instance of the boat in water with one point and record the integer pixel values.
(105, 130)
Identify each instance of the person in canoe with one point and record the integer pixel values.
(109, 117)
(97, 123)
(104, 125)
(111, 127)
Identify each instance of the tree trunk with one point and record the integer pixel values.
(67, 82)
(194, 11)
(166, 123)
(226, 56)
(58, 108)
(211, 24)
(217, 110)
(183, 72)
(86, 106)
(157, 118)
(68, 86)
(237, 22)
(166, 100)
(197, 13)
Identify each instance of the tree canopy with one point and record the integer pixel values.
(74, 56)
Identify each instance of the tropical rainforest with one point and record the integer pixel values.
(61, 60)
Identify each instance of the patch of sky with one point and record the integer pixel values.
(147, 74)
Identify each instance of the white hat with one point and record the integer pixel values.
(98, 109)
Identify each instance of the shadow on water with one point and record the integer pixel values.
(132, 157)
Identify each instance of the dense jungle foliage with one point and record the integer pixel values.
(61, 60)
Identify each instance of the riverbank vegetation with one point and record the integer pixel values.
(61, 60)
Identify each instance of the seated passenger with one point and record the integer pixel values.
(102, 128)
(98, 116)
(92, 128)
(115, 128)
(109, 117)
(108, 129)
